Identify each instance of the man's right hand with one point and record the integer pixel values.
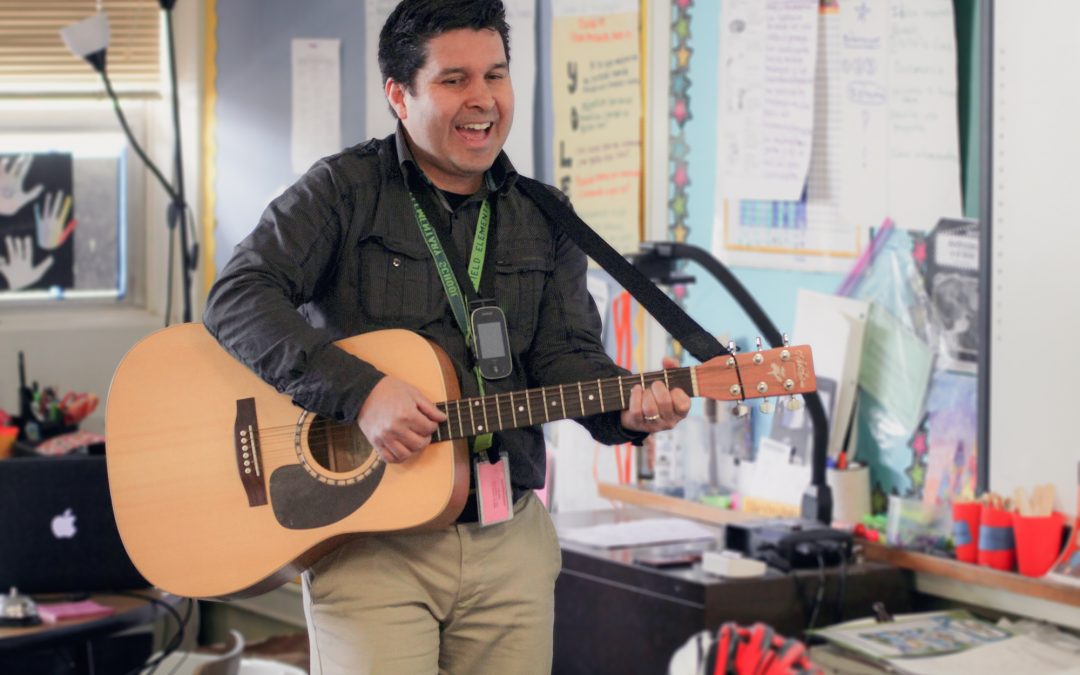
(398, 420)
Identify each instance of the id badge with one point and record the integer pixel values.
(494, 498)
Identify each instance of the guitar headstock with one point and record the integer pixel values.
(780, 372)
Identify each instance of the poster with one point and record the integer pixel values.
(596, 90)
(37, 221)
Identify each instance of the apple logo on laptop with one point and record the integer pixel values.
(63, 525)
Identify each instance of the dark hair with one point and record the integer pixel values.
(404, 37)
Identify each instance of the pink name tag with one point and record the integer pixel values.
(493, 494)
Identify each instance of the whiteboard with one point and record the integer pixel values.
(1035, 237)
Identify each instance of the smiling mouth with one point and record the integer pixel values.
(476, 132)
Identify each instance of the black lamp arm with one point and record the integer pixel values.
(131, 138)
(817, 501)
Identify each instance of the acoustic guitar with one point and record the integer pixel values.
(223, 488)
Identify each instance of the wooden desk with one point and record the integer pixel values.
(612, 615)
(964, 583)
(76, 634)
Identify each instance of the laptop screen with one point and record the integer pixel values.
(57, 530)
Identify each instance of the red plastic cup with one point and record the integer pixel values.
(1038, 542)
(966, 519)
(997, 548)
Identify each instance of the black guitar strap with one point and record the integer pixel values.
(695, 339)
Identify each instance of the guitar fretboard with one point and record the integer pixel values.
(511, 410)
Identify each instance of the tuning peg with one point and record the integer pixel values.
(740, 409)
(732, 347)
(793, 403)
(766, 406)
(759, 358)
(787, 343)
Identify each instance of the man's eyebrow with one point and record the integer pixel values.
(458, 70)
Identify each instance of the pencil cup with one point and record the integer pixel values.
(1038, 542)
(997, 548)
(851, 494)
(966, 530)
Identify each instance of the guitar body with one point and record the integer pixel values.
(222, 487)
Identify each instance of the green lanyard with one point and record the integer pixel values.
(450, 284)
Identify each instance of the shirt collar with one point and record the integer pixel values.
(499, 178)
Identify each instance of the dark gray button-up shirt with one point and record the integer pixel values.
(340, 253)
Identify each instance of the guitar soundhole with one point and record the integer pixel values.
(338, 448)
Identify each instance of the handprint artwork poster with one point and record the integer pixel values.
(37, 221)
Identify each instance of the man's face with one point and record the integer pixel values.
(459, 113)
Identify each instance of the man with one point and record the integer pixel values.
(344, 246)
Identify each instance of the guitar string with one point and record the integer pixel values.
(489, 404)
(280, 439)
(270, 438)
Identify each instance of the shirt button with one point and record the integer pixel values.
(396, 262)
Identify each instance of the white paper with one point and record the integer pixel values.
(1020, 654)
(772, 477)
(899, 102)
(521, 15)
(766, 97)
(808, 234)
(316, 101)
(639, 533)
(834, 327)
(578, 464)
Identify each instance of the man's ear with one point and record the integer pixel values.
(395, 95)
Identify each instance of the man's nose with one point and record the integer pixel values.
(480, 95)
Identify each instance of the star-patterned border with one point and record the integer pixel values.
(678, 148)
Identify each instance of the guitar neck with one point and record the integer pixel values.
(511, 410)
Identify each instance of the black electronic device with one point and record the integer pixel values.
(57, 529)
(789, 543)
(491, 342)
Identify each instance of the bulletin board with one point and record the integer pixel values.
(695, 28)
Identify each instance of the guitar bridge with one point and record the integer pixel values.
(248, 450)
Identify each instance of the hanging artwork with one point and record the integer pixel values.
(37, 221)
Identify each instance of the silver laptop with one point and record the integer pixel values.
(57, 530)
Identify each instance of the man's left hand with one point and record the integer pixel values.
(656, 408)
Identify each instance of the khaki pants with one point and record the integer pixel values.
(465, 599)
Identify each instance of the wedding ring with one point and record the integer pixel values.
(651, 418)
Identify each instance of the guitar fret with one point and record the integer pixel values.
(498, 411)
(543, 400)
(460, 424)
(666, 383)
(483, 409)
(622, 395)
(528, 403)
(643, 387)
(562, 398)
(513, 410)
(472, 420)
(581, 398)
(600, 393)
(693, 380)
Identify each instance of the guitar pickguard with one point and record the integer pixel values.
(303, 502)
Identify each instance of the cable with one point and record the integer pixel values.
(841, 590)
(819, 597)
(178, 637)
(183, 658)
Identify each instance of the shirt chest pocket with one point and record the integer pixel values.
(396, 282)
(523, 268)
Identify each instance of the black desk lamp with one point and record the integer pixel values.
(657, 261)
(89, 39)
